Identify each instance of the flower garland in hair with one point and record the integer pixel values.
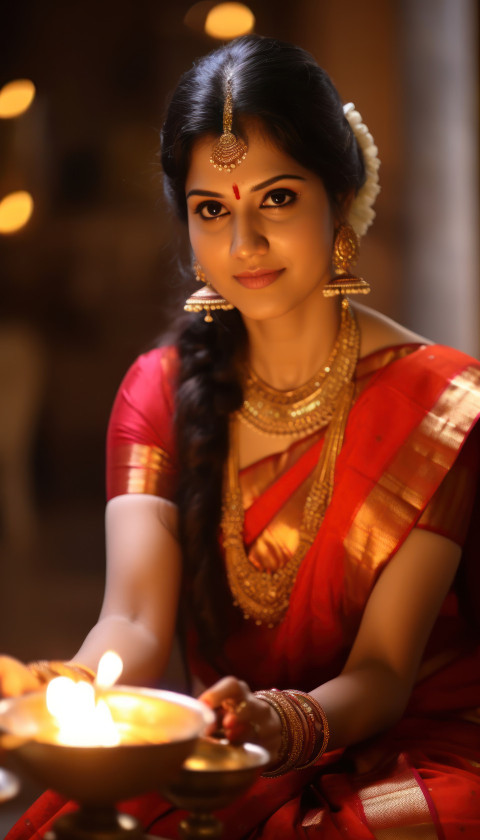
(361, 213)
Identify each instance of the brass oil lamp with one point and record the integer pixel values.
(141, 740)
(158, 731)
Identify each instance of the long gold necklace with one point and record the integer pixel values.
(263, 595)
(309, 407)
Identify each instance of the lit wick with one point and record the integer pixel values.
(109, 669)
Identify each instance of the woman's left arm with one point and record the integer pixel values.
(373, 688)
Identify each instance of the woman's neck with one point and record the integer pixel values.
(285, 352)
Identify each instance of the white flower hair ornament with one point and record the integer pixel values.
(362, 214)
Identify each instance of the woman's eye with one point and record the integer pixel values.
(279, 198)
(211, 210)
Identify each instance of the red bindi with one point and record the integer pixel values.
(236, 192)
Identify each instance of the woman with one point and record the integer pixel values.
(335, 453)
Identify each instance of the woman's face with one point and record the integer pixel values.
(262, 233)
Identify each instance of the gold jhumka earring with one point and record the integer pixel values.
(205, 299)
(198, 272)
(346, 250)
(229, 150)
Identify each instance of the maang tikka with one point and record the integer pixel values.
(229, 150)
(346, 249)
(206, 299)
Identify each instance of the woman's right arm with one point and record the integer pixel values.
(139, 610)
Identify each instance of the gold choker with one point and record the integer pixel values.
(264, 596)
(309, 407)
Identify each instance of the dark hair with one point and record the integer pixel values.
(282, 87)
(277, 83)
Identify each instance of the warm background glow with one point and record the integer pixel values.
(229, 20)
(16, 97)
(15, 211)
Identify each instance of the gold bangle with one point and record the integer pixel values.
(321, 726)
(311, 735)
(284, 746)
(298, 734)
(45, 670)
(293, 735)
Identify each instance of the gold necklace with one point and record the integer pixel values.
(263, 595)
(309, 407)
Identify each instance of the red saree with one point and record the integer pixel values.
(409, 460)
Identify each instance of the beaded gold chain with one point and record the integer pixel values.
(264, 595)
(309, 407)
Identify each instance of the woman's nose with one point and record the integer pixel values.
(248, 239)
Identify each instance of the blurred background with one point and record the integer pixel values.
(88, 250)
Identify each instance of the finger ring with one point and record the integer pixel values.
(240, 707)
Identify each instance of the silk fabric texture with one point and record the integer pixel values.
(409, 459)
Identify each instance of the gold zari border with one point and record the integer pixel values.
(138, 468)
(396, 809)
(406, 486)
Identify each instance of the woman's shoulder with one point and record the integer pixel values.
(164, 356)
(145, 401)
(377, 331)
(151, 380)
(154, 368)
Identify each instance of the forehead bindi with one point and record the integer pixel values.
(236, 191)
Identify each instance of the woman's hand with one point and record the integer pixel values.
(244, 717)
(15, 678)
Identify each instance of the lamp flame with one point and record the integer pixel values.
(82, 718)
(109, 669)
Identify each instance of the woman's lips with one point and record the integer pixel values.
(257, 279)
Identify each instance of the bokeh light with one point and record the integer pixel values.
(16, 97)
(15, 211)
(229, 20)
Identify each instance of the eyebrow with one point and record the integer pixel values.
(275, 178)
(205, 192)
(261, 186)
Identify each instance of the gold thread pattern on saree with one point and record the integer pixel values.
(405, 487)
(138, 468)
(396, 808)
